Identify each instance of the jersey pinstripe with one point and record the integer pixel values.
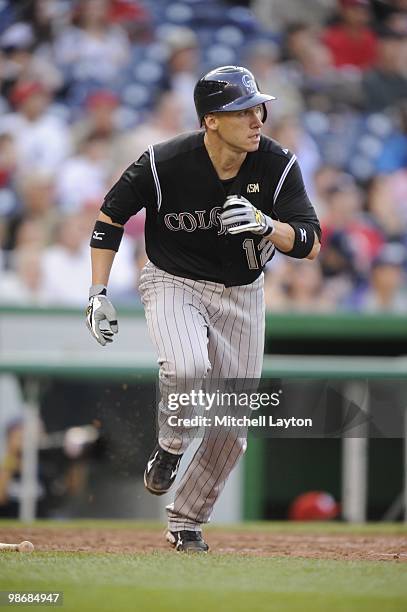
(201, 329)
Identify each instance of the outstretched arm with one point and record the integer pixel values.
(122, 201)
(104, 244)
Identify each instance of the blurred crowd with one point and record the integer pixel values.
(87, 85)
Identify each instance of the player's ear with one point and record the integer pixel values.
(210, 121)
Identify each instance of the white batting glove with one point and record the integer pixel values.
(101, 309)
(239, 215)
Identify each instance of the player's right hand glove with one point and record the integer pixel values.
(239, 215)
(100, 309)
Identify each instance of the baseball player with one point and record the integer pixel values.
(218, 202)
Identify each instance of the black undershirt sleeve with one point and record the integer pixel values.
(133, 191)
(292, 203)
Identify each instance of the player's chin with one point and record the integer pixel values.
(252, 145)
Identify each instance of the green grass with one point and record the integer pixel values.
(169, 582)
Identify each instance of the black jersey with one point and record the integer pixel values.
(179, 187)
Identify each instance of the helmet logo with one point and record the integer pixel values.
(249, 83)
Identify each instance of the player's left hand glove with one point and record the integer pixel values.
(239, 215)
(101, 309)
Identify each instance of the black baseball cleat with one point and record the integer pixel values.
(161, 471)
(187, 541)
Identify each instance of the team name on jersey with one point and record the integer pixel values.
(253, 188)
(189, 221)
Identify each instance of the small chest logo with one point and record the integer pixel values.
(253, 188)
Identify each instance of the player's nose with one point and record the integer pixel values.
(256, 121)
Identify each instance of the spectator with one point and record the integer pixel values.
(299, 36)
(37, 194)
(389, 12)
(290, 134)
(85, 177)
(134, 18)
(44, 17)
(23, 284)
(316, 64)
(183, 70)
(326, 177)
(30, 234)
(351, 42)
(397, 21)
(305, 289)
(9, 202)
(56, 54)
(294, 286)
(386, 291)
(22, 62)
(385, 85)
(350, 242)
(393, 156)
(165, 122)
(66, 263)
(310, 67)
(263, 59)
(276, 13)
(42, 139)
(275, 294)
(386, 209)
(92, 48)
(99, 117)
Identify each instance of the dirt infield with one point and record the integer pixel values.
(351, 547)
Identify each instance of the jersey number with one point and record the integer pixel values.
(254, 260)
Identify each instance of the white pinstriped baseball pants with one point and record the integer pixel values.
(201, 330)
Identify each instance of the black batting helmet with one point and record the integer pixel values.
(228, 88)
